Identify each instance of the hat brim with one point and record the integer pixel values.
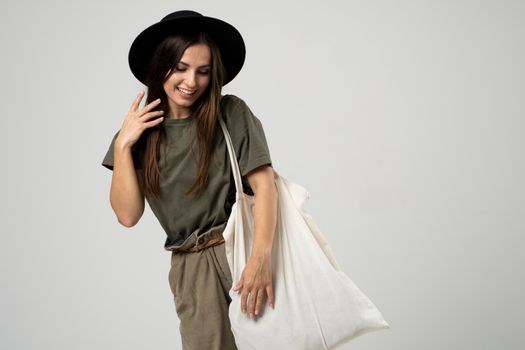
(228, 39)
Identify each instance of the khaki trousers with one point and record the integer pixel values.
(200, 283)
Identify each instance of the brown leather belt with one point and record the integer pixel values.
(199, 240)
(197, 248)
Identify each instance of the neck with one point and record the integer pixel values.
(179, 117)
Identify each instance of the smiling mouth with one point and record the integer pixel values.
(186, 92)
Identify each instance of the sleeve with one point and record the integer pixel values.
(249, 139)
(108, 158)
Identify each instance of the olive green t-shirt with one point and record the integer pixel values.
(180, 214)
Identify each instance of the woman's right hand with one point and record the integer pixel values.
(137, 121)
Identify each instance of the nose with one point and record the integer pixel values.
(190, 79)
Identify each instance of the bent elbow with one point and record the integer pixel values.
(128, 222)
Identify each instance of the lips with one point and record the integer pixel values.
(186, 91)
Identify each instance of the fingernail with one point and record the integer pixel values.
(251, 315)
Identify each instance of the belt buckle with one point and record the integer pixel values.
(199, 246)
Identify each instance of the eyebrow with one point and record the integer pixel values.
(206, 65)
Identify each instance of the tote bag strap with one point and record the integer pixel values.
(233, 158)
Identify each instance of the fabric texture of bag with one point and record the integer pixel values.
(317, 306)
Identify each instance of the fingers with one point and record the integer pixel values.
(271, 300)
(259, 301)
(244, 297)
(136, 102)
(245, 292)
(154, 121)
(150, 115)
(146, 108)
(253, 290)
(150, 106)
(145, 114)
(136, 121)
(238, 285)
(251, 301)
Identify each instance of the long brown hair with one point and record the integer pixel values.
(204, 110)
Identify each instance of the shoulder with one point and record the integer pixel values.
(232, 104)
(237, 114)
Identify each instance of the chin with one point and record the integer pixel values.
(185, 103)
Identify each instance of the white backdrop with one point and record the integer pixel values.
(408, 115)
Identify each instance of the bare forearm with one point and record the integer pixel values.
(265, 220)
(126, 198)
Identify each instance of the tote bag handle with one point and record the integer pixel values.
(233, 157)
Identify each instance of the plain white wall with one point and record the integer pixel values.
(404, 120)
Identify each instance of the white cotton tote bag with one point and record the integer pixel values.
(317, 306)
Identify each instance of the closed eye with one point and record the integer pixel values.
(201, 72)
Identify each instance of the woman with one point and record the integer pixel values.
(172, 152)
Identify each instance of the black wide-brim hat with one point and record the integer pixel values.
(228, 39)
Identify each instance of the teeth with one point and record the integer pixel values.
(188, 92)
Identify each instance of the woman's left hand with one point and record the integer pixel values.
(256, 281)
